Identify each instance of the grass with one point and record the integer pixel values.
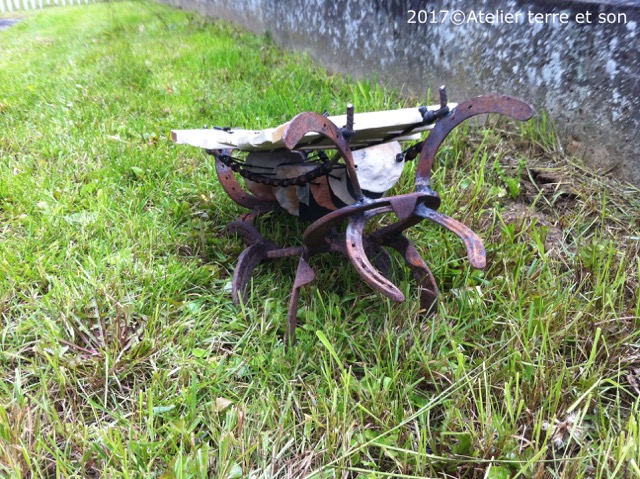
(123, 357)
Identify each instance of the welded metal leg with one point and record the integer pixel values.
(247, 262)
(357, 255)
(472, 242)
(304, 275)
(380, 259)
(245, 228)
(420, 271)
(251, 257)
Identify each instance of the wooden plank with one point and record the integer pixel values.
(208, 139)
(214, 140)
(376, 124)
(369, 128)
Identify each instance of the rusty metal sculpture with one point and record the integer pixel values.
(331, 210)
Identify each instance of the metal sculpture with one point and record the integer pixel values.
(289, 168)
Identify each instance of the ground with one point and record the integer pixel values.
(122, 355)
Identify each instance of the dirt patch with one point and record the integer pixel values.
(519, 214)
(557, 187)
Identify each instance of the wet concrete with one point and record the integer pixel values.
(579, 59)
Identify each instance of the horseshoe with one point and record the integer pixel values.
(318, 233)
(502, 104)
(234, 190)
(248, 260)
(358, 256)
(472, 242)
(420, 271)
(310, 122)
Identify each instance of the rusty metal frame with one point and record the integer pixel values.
(322, 235)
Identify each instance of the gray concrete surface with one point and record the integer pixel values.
(581, 65)
(7, 22)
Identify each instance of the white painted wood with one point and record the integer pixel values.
(369, 128)
(269, 139)
(214, 140)
(208, 139)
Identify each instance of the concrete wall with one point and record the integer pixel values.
(585, 74)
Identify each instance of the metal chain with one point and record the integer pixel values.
(232, 163)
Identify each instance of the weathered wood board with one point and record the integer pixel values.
(369, 128)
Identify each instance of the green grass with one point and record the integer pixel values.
(122, 355)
